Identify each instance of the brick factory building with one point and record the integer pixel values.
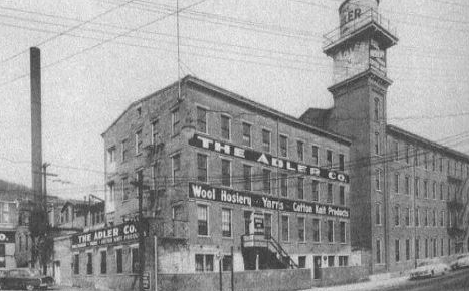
(218, 172)
(408, 195)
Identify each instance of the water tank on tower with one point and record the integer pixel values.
(353, 12)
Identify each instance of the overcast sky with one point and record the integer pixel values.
(266, 50)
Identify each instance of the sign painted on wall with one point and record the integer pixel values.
(146, 281)
(265, 159)
(7, 237)
(229, 196)
(117, 234)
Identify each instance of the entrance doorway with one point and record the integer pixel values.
(57, 272)
(317, 267)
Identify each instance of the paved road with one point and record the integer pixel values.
(454, 281)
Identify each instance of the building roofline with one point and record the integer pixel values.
(242, 100)
(426, 142)
(268, 110)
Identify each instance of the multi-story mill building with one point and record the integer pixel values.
(219, 171)
(407, 194)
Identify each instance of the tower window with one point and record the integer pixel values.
(377, 141)
(376, 109)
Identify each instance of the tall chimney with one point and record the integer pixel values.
(36, 131)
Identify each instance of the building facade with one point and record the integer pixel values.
(224, 179)
(407, 193)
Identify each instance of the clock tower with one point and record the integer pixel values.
(358, 48)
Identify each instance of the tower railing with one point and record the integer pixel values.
(367, 17)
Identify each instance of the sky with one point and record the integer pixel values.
(98, 56)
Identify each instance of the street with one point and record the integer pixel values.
(454, 281)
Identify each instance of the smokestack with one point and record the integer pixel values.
(36, 131)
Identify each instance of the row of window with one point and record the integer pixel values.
(428, 217)
(431, 190)
(131, 259)
(429, 161)
(332, 234)
(432, 247)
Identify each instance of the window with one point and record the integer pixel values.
(225, 127)
(202, 119)
(125, 189)
(342, 195)
(201, 168)
(396, 250)
(283, 185)
(425, 189)
(396, 150)
(330, 194)
(407, 216)
(442, 247)
(329, 159)
(76, 264)
(5, 212)
(247, 170)
(89, 264)
(135, 260)
(407, 154)
(266, 140)
(246, 134)
(285, 229)
(227, 263)
(330, 261)
(176, 121)
(226, 173)
(417, 187)
(416, 157)
(343, 261)
(139, 111)
(315, 190)
(315, 155)
(377, 143)
(267, 225)
(139, 183)
(202, 219)
(299, 150)
(378, 214)
(376, 115)
(417, 217)
(176, 166)
(426, 248)
(378, 179)
(426, 217)
(378, 251)
(226, 222)
(407, 249)
(407, 185)
(396, 182)
(154, 132)
(330, 231)
(111, 194)
(425, 161)
(283, 146)
(341, 163)
(442, 219)
(442, 195)
(301, 229)
(433, 162)
(434, 191)
(266, 181)
(301, 262)
(247, 222)
(417, 248)
(300, 188)
(138, 142)
(434, 247)
(397, 217)
(316, 226)
(203, 263)
(118, 261)
(441, 164)
(124, 150)
(111, 155)
(342, 232)
(434, 218)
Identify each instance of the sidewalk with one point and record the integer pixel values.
(363, 286)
